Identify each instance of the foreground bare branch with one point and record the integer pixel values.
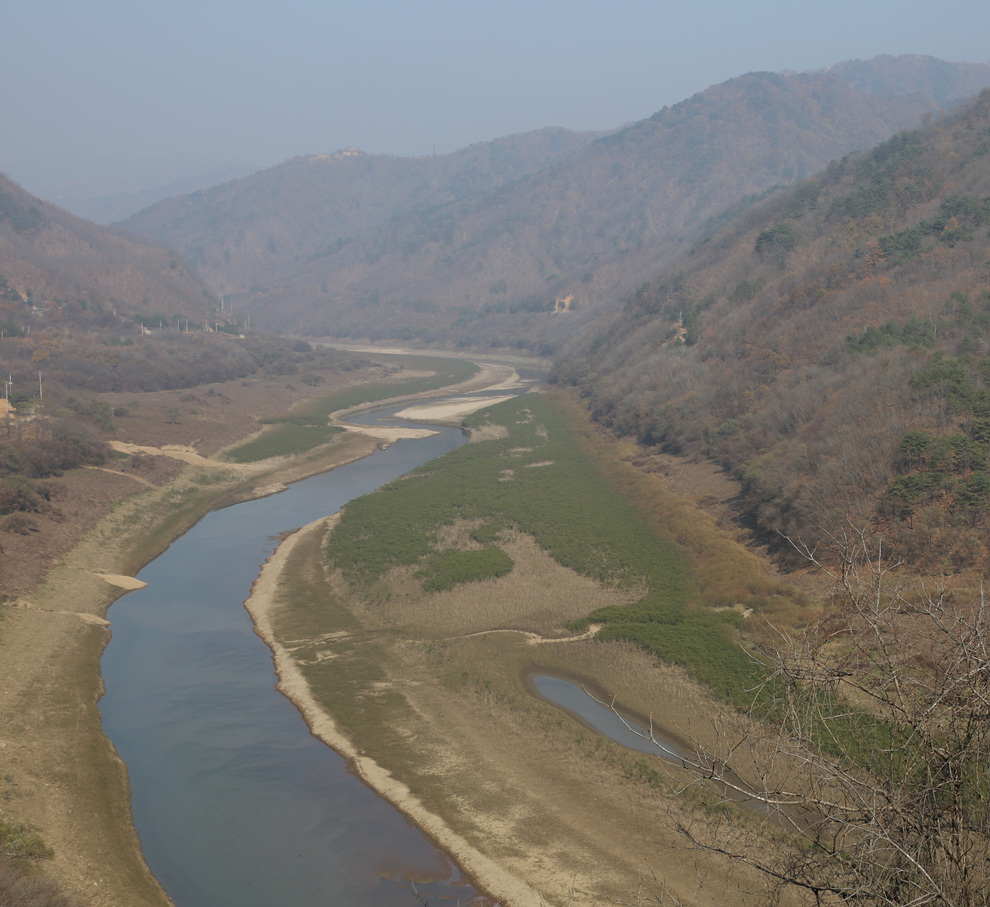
(867, 752)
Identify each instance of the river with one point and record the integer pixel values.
(235, 803)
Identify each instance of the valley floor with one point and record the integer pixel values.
(427, 694)
(534, 807)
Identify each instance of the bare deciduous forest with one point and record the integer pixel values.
(829, 349)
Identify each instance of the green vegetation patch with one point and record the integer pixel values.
(22, 847)
(536, 480)
(448, 569)
(957, 221)
(951, 469)
(914, 333)
(285, 440)
(892, 173)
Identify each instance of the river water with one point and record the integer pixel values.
(235, 803)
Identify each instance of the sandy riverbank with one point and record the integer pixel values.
(451, 409)
(261, 605)
(58, 772)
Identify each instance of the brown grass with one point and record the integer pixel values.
(538, 596)
(19, 889)
(433, 688)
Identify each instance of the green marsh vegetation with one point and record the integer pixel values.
(447, 569)
(306, 426)
(543, 480)
(22, 883)
(293, 435)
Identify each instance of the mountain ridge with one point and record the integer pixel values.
(55, 259)
(830, 348)
(497, 264)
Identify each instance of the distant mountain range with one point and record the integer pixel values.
(520, 241)
(943, 82)
(105, 190)
(820, 325)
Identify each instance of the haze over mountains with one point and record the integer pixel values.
(798, 335)
(517, 242)
(107, 189)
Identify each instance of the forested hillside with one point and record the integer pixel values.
(831, 348)
(83, 309)
(71, 270)
(943, 82)
(250, 235)
(97, 309)
(518, 242)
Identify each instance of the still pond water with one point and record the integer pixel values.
(613, 723)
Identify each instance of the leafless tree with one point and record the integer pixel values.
(867, 753)
(877, 767)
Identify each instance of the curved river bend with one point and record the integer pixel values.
(235, 803)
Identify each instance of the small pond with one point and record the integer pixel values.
(614, 724)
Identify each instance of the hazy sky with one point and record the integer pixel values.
(260, 81)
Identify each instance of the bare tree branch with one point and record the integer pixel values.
(867, 750)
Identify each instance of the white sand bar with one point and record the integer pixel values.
(121, 582)
(452, 409)
(387, 432)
